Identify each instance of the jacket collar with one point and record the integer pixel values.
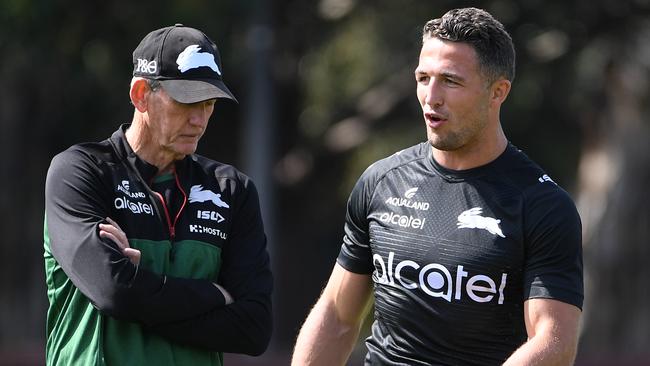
(147, 171)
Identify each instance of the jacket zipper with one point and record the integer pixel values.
(172, 233)
(180, 210)
(172, 225)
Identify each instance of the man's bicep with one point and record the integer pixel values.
(349, 287)
(554, 267)
(553, 317)
(73, 197)
(349, 293)
(246, 268)
(73, 208)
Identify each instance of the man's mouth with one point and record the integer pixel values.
(434, 119)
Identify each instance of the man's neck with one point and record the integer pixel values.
(474, 154)
(147, 147)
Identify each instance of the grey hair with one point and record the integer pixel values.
(154, 84)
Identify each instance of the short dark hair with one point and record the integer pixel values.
(477, 28)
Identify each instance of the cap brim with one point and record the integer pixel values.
(194, 91)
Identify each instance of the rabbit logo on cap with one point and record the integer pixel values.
(191, 58)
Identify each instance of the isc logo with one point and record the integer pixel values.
(209, 215)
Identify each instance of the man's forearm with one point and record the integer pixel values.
(543, 350)
(323, 339)
(552, 328)
(242, 327)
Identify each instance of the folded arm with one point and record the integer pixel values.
(76, 202)
(245, 325)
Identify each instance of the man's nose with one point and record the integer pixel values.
(433, 96)
(199, 114)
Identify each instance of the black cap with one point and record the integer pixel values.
(185, 61)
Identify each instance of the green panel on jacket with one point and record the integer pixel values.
(187, 259)
(85, 337)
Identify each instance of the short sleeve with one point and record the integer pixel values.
(553, 267)
(355, 254)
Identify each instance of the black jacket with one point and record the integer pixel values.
(216, 236)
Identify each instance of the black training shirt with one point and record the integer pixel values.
(454, 254)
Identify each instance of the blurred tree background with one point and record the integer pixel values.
(325, 88)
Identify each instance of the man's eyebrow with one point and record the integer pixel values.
(445, 74)
(452, 76)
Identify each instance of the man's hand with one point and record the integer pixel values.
(113, 232)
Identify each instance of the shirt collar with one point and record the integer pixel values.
(147, 171)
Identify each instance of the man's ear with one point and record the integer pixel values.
(499, 90)
(139, 91)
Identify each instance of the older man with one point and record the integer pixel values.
(155, 255)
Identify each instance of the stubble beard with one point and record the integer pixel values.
(449, 142)
(455, 140)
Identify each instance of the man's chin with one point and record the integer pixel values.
(442, 145)
(182, 151)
